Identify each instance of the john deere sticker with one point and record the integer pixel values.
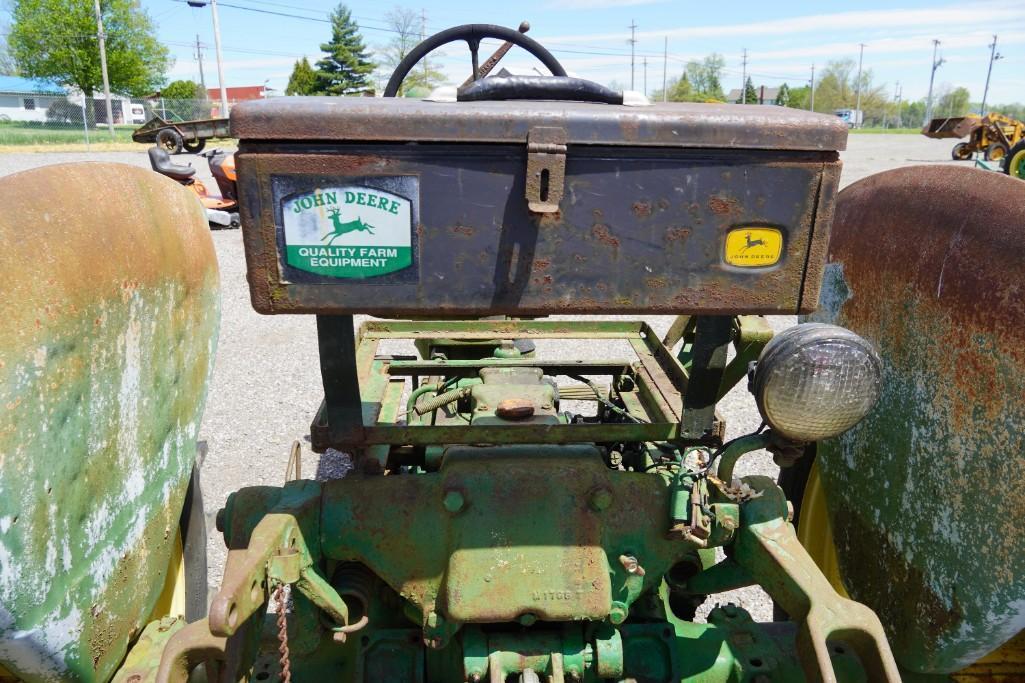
(753, 247)
(350, 231)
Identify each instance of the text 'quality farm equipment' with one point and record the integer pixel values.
(512, 516)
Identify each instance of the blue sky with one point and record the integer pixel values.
(783, 38)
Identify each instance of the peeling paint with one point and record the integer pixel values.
(925, 495)
(107, 354)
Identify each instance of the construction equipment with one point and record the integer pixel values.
(1014, 162)
(992, 135)
(490, 530)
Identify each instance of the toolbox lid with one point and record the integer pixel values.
(673, 124)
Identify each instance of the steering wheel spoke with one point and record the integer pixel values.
(474, 46)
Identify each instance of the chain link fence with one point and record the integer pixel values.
(38, 120)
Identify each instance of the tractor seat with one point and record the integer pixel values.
(161, 162)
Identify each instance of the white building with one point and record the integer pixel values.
(27, 99)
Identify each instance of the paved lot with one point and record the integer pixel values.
(266, 383)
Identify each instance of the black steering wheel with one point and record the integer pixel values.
(472, 34)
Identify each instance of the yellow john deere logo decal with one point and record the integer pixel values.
(753, 247)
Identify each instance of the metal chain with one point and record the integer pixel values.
(286, 665)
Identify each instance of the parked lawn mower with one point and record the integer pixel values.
(222, 210)
(511, 517)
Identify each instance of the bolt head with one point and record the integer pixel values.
(528, 619)
(454, 501)
(618, 613)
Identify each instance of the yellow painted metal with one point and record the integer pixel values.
(171, 602)
(815, 531)
(1006, 664)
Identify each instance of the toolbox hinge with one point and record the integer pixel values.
(546, 168)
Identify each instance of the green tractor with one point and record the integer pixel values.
(508, 517)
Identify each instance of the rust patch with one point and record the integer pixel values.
(602, 234)
(464, 230)
(656, 282)
(540, 264)
(642, 209)
(676, 234)
(723, 205)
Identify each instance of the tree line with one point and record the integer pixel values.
(56, 40)
(836, 87)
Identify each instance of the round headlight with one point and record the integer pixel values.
(814, 381)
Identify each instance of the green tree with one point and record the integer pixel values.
(783, 95)
(750, 95)
(405, 25)
(953, 102)
(303, 80)
(799, 97)
(347, 67)
(185, 99)
(678, 89)
(183, 90)
(7, 65)
(838, 89)
(56, 39)
(705, 77)
(701, 81)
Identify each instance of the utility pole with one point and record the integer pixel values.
(220, 61)
(900, 97)
(895, 89)
(936, 63)
(665, 66)
(645, 62)
(633, 43)
(103, 67)
(199, 58)
(811, 105)
(217, 50)
(423, 35)
(858, 118)
(993, 56)
(743, 78)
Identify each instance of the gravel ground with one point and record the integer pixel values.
(266, 383)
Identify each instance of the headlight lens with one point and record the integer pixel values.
(814, 381)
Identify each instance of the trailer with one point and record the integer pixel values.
(993, 135)
(176, 136)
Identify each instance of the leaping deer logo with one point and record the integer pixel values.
(342, 228)
(751, 243)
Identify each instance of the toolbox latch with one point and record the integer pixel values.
(546, 168)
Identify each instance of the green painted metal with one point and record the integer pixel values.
(925, 494)
(110, 313)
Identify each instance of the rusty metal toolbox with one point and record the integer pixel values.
(401, 206)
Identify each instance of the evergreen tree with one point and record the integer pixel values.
(303, 80)
(346, 68)
(783, 95)
(750, 94)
